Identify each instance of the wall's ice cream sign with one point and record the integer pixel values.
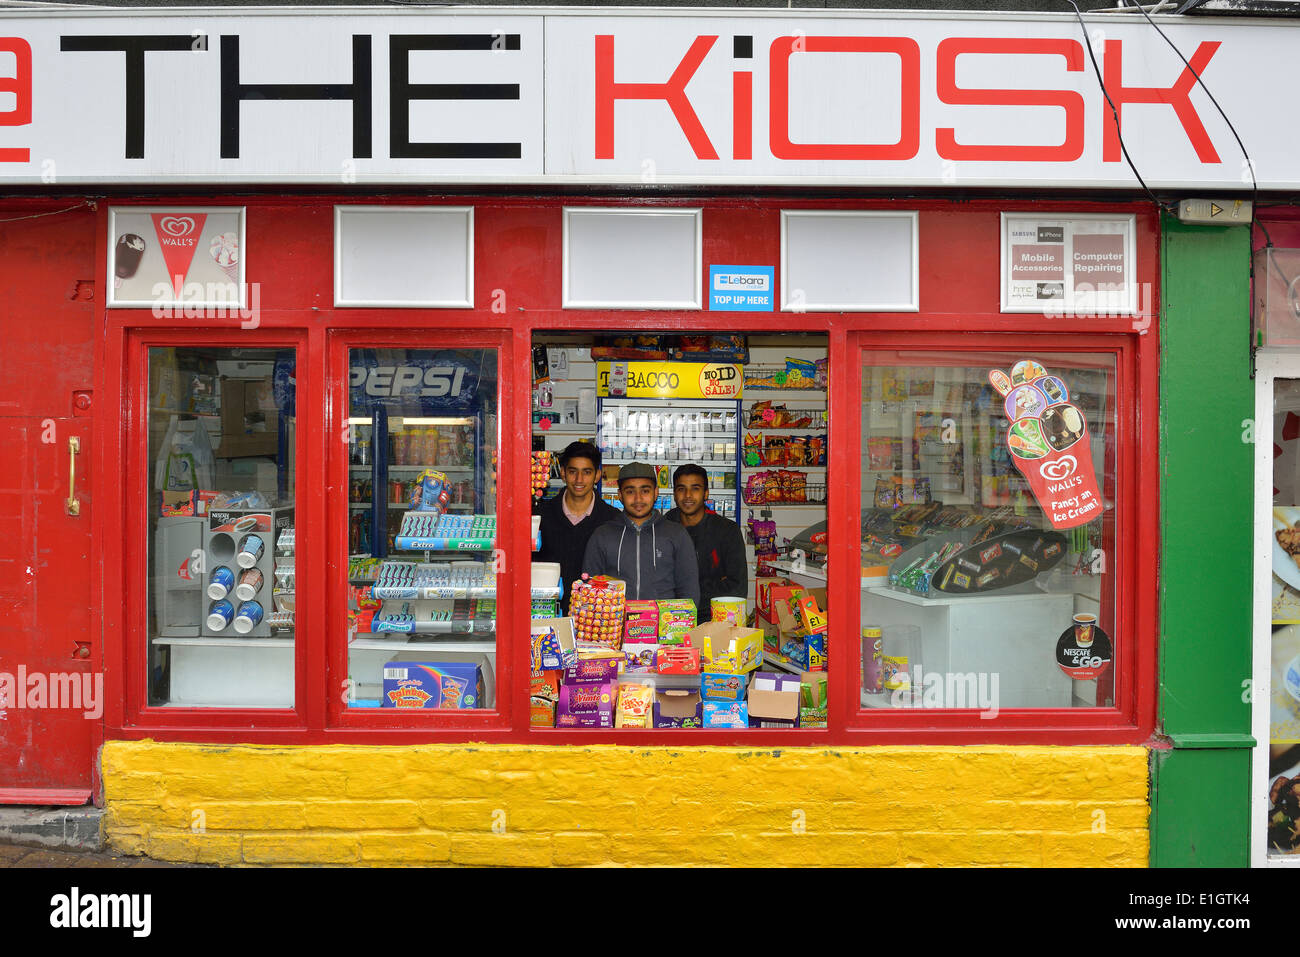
(1048, 440)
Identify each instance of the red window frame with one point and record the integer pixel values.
(517, 243)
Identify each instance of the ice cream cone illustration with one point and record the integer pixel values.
(224, 250)
(1049, 444)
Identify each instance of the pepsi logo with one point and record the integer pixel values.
(177, 225)
(1061, 468)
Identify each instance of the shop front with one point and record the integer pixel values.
(329, 404)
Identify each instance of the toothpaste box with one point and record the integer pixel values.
(443, 685)
(586, 705)
(722, 687)
(726, 714)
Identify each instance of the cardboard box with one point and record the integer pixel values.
(678, 709)
(677, 660)
(774, 700)
(812, 689)
(586, 706)
(541, 713)
(432, 684)
(726, 714)
(193, 503)
(767, 591)
(727, 648)
(676, 615)
(812, 717)
(806, 654)
(640, 656)
(722, 687)
(811, 616)
(552, 651)
(592, 671)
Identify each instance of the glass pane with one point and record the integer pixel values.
(1284, 688)
(987, 524)
(221, 529)
(422, 528)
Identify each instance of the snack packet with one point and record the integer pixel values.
(635, 702)
(432, 492)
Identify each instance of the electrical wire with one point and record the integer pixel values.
(1113, 111)
(53, 212)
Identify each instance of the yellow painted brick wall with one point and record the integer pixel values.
(604, 804)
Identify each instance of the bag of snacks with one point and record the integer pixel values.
(635, 702)
(432, 491)
(597, 607)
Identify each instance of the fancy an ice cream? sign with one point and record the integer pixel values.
(1048, 440)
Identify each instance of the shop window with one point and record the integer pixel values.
(395, 256)
(221, 543)
(422, 520)
(632, 258)
(690, 460)
(987, 531)
(842, 261)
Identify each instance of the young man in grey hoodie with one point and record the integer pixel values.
(655, 557)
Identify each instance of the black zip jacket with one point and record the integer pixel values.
(720, 557)
(566, 543)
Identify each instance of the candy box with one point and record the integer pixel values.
(677, 660)
(552, 644)
(676, 708)
(586, 706)
(676, 615)
(722, 687)
(635, 705)
(806, 654)
(811, 617)
(773, 700)
(726, 714)
(812, 717)
(769, 591)
(432, 684)
(812, 689)
(541, 713)
(639, 655)
(592, 671)
(727, 648)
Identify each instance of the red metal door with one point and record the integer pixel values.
(51, 682)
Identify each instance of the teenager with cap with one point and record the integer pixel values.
(570, 517)
(655, 557)
(719, 547)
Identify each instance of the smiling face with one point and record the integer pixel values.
(690, 493)
(579, 477)
(638, 498)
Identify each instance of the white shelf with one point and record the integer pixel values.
(229, 642)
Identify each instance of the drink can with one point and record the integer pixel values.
(395, 490)
(250, 551)
(248, 617)
(220, 614)
(222, 580)
(250, 583)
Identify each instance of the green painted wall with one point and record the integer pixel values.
(1200, 788)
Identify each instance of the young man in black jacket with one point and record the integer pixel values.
(719, 547)
(569, 517)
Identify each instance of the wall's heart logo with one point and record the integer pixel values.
(1062, 468)
(177, 225)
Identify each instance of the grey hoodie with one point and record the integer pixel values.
(656, 559)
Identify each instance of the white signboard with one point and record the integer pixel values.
(509, 95)
(1079, 264)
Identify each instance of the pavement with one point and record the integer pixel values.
(33, 836)
(32, 855)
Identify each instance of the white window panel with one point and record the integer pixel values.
(632, 258)
(849, 261)
(404, 256)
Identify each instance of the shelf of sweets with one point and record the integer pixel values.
(393, 641)
(413, 581)
(284, 544)
(365, 506)
(407, 624)
(366, 469)
(430, 531)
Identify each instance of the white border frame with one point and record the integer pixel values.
(913, 218)
(1270, 364)
(1068, 307)
(340, 303)
(695, 212)
(173, 304)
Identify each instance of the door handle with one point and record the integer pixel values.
(72, 503)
